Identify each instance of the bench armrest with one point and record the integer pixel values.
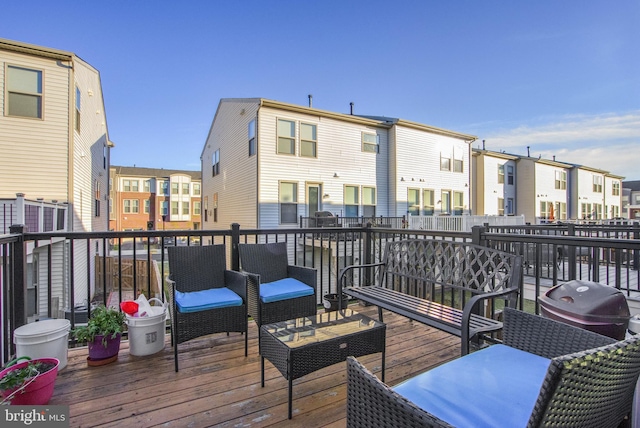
(343, 272)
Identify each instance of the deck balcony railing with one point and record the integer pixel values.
(71, 271)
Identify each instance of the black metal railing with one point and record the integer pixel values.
(82, 269)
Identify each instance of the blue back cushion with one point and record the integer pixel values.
(212, 298)
(494, 387)
(283, 289)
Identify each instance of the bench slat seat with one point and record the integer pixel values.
(443, 317)
(412, 271)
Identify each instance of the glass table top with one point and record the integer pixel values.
(320, 327)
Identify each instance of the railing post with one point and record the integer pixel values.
(368, 249)
(478, 236)
(636, 253)
(18, 294)
(235, 240)
(571, 252)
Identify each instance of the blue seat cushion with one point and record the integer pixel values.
(494, 387)
(212, 298)
(283, 289)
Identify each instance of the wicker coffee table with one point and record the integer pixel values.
(303, 345)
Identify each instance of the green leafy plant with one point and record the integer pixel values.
(19, 377)
(103, 322)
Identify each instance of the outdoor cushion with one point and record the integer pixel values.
(283, 289)
(206, 299)
(494, 387)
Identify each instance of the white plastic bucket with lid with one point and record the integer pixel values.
(146, 333)
(42, 339)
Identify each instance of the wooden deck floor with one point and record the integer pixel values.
(218, 386)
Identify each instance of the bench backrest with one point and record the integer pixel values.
(414, 264)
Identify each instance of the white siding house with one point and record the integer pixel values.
(588, 193)
(265, 164)
(54, 147)
(494, 183)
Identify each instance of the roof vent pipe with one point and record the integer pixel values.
(310, 100)
(351, 107)
(528, 152)
(482, 144)
(554, 158)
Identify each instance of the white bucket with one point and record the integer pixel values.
(146, 334)
(42, 339)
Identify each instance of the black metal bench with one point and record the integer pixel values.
(439, 283)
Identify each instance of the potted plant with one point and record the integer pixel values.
(29, 382)
(102, 334)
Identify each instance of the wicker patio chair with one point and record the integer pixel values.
(267, 263)
(206, 298)
(583, 380)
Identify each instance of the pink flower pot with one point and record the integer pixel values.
(39, 391)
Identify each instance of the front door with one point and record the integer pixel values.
(313, 199)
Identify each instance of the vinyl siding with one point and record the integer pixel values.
(44, 175)
(236, 184)
(417, 161)
(340, 162)
(525, 181)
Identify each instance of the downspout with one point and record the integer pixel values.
(258, 165)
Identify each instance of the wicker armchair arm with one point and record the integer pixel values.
(546, 337)
(237, 282)
(303, 274)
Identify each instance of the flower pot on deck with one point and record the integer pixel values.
(98, 351)
(36, 391)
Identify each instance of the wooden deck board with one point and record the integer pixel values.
(218, 386)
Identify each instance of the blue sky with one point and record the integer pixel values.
(562, 77)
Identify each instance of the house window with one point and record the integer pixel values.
(165, 209)
(445, 162)
(147, 186)
(175, 188)
(185, 208)
(585, 211)
(288, 202)
(428, 202)
(185, 188)
(131, 206)
(615, 188)
(286, 137)
(252, 137)
(458, 164)
(196, 189)
(196, 208)
(308, 140)
(510, 175)
(500, 206)
(164, 187)
(370, 143)
(545, 209)
(24, 90)
(510, 206)
(215, 207)
(97, 199)
(500, 174)
(130, 185)
(216, 163)
(77, 109)
(175, 209)
(615, 211)
(351, 201)
(413, 201)
(597, 184)
(147, 206)
(561, 180)
(561, 210)
(369, 201)
(597, 211)
(458, 203)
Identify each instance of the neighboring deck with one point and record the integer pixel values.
(218, 386)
